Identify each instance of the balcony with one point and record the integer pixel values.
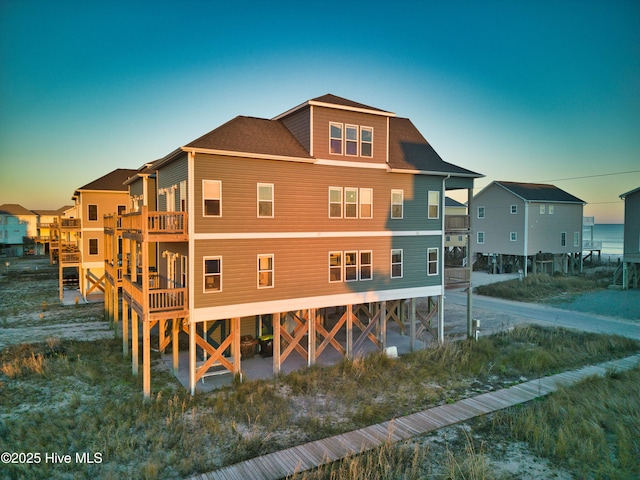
(70, 223)
(588, 221)
(457, 224)
(155, 226)
(159, 302)
(591, 245)
(112, 223)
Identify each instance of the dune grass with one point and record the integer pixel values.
(539, 287)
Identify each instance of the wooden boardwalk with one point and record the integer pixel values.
(310, 455)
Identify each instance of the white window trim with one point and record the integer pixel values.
(334, 203)
(360, 265)
(513, 236)
(401, 192)
(429, 204)
(478, 238)
(514, 209)
(360, 203)
(205, 198)
(436, 262)
(272, 200)
(342, 130)
(356, 141)
(356, 266)
(401, 262)
(550, 209)
(273, 268)
(360, 141)
(353, 189)
(576, 239)
(335, 267)
(204, 274)
(483, 211)
(542, 209)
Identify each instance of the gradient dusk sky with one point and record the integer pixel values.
(540, 91)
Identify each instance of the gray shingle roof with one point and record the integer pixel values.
(14, 209)
(336, 100)
(252, 135)
(113, 181)
(409, 150)
(540, 192)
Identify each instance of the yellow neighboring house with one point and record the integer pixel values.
(80, 231)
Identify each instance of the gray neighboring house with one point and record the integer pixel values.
(527, 224)
(629, 271)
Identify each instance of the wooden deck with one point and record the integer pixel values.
(280, 464)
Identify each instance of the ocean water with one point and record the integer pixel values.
(610, 234)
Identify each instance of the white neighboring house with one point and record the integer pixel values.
(532, 225)
(629, 271)
(16, 224)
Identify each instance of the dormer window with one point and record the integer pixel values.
(335, 138)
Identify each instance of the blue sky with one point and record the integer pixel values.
(518, 91)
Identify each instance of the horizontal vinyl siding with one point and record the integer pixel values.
(498, 222)
(301, 268)
(323, 116)
(170, 175)
(545, 230)
(301, 193)
(299, 125)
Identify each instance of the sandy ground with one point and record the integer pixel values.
(23, 318)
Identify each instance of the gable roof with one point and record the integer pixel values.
(57, 212)
(538, 192)
(630, 192)
(409, 150)
(344, 102)
(252, 135)
(113, 181)
(14, 209)
(450, 202)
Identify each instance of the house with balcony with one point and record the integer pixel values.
(628, 274)
(527, 227)
(315, 227)
(44, 237)
(79, 233)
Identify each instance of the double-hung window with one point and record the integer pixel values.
(265, 271)
(514, 209)
(335, 138)
(350, 266)
(335, 202)
(351, 140)
(366, 265)
(576, 239)
(366, 203)
(335, 267)
(397, 203)
(265, 200)
(93, 246)
(432, 261)
(396, 263)
(212, 198)
(351, 202)
(480, 212)
(513, 236)
(366, 141)
(434, 204)
(480, 238)
(212, 274)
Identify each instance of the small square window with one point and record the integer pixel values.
(514, 209)
(513, 236)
